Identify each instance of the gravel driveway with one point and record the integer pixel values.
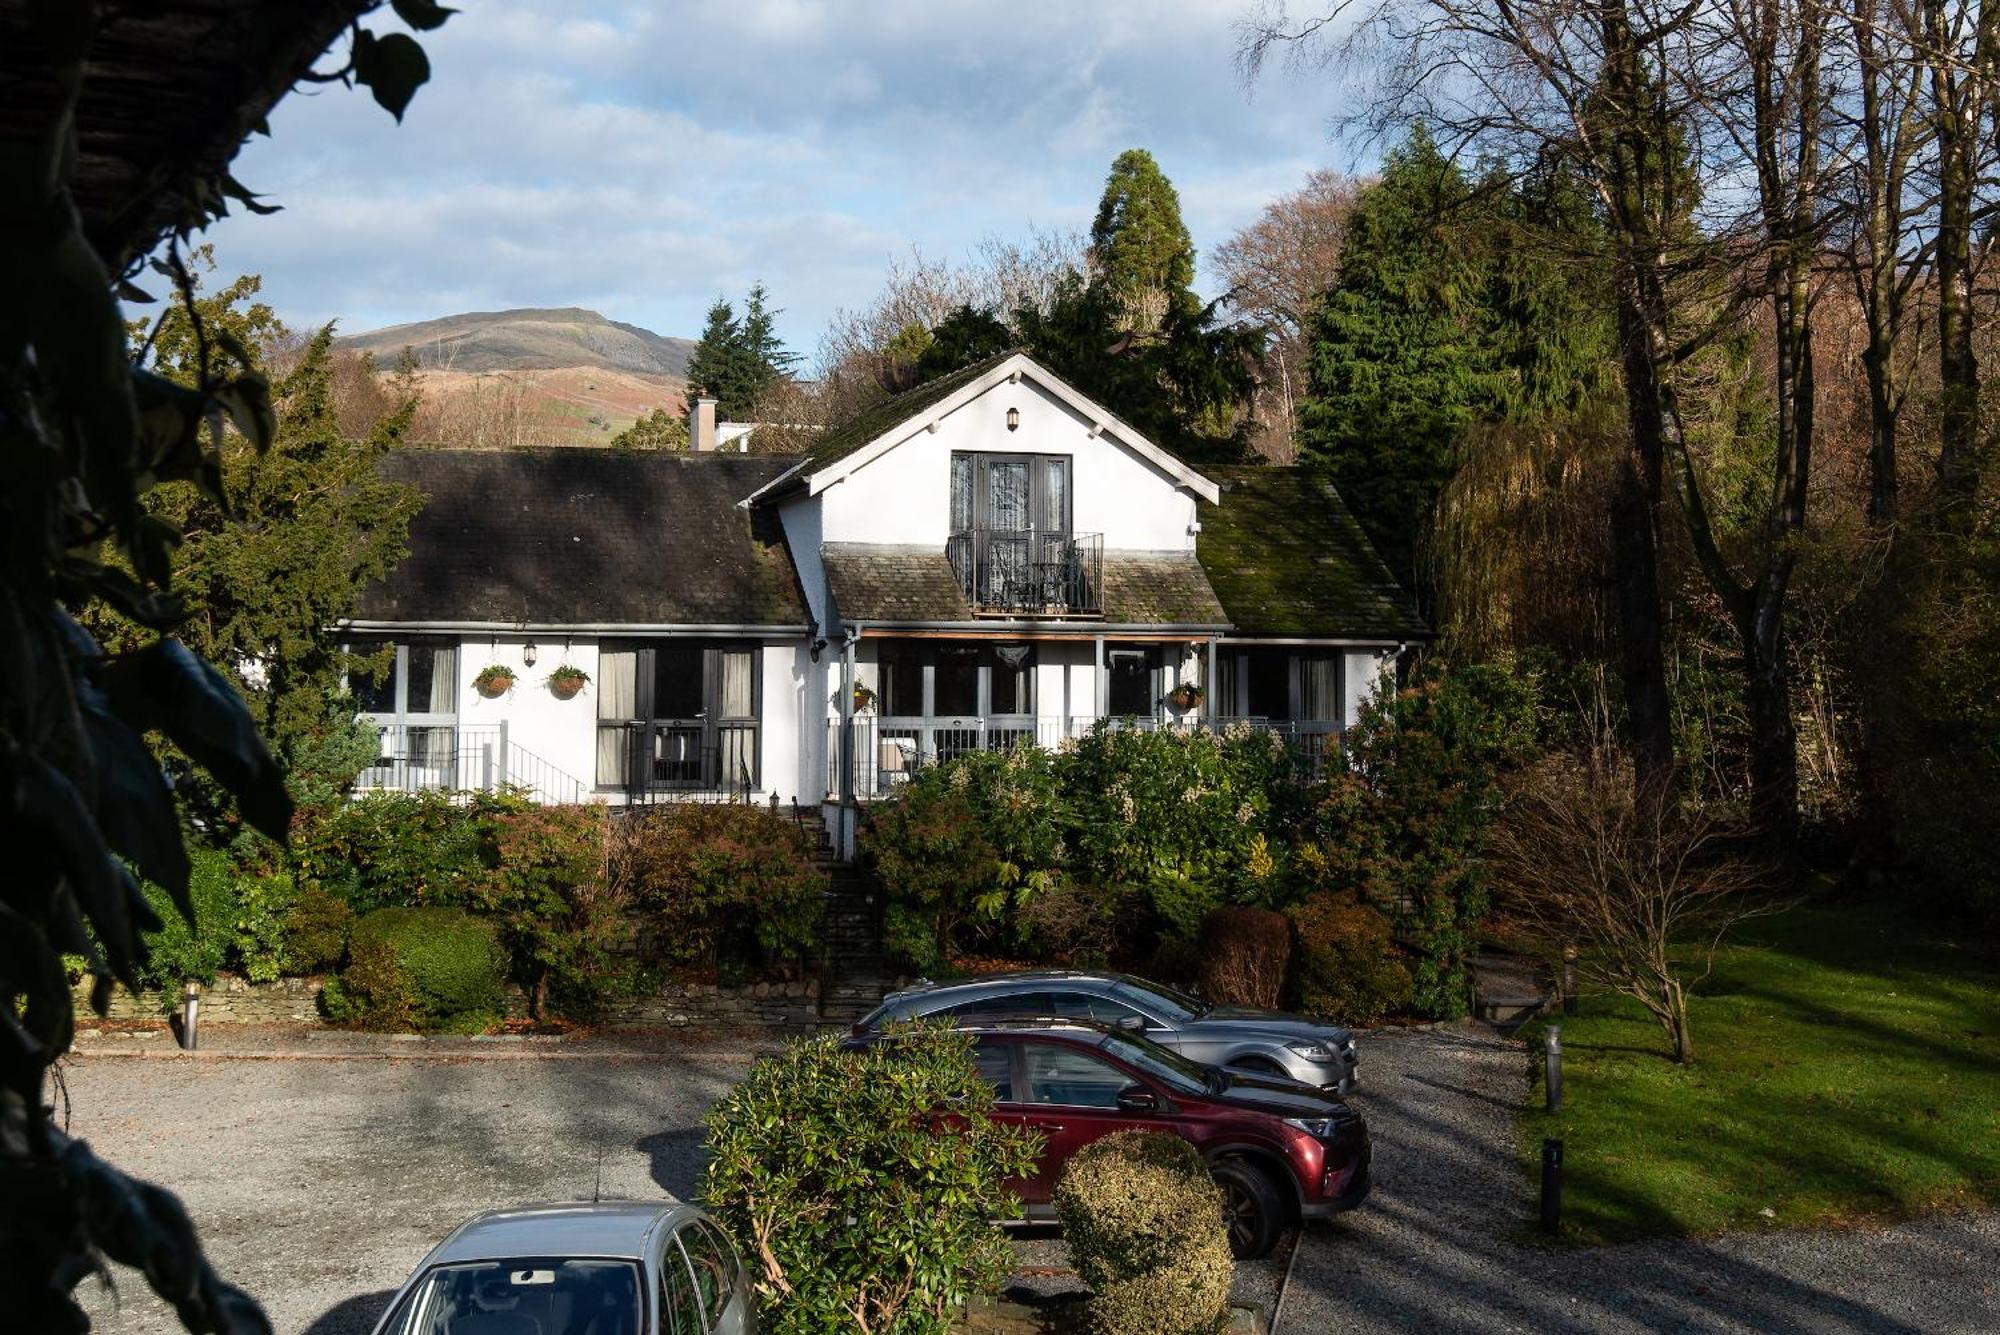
(319, 1182)
(1439, 1245)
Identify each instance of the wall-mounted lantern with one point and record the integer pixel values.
(1013, 419)
(529, 653)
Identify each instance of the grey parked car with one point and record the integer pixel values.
(595, 1268)
(1267, 1042)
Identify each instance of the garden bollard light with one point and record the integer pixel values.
(1569, 980)
(1553, 1082)
(1552, 1186)
(190, 1008)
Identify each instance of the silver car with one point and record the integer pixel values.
(1267, 1042)
(594, 1268)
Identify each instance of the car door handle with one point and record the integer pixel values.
(1047, 1126)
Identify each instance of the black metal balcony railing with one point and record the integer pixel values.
(1029, 573)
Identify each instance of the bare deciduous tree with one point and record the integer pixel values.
(1277, 269)
(1646, 890)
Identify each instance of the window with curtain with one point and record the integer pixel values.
(617, 711)
(678, 714)
(413, 702)
(1319, 687)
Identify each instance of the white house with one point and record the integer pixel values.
(988, 558)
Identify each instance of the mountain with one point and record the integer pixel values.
(528, 340)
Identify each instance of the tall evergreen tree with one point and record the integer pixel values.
(1401, 355)
(714, 367)
(737, 361)
(1140, 249)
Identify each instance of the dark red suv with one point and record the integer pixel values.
(1280, 1150)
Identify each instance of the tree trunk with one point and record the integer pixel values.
(1958, 105)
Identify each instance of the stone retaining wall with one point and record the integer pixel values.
(294, 1001)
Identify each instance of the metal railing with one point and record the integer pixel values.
(1029, 573)
(668, 761)
(460, 758)
(888, 750)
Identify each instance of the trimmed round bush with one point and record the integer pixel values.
(1345, 966)
(1144, 1223)
(1243, 956)
(424, 968)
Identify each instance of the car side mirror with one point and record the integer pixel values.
(1137, 1098)
(1132, 1024)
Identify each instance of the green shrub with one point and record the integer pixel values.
(397, 850)
(180, 949)
(846, 1198)
(1243, 956)
(1144, 1224)
(1403, 827)
(558, 914)
(1344, 965)
(938, 870)
(316, 931)
(424, 968)
(262, 907)
(719, 887)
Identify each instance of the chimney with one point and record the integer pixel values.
(701, 424)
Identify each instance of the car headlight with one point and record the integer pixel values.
(1319, 1128)
(1313, 1052)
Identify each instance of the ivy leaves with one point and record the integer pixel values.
(392, 66)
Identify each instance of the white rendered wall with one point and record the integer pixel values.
(562, 733)
(781, 768)
(1365, 674)
(904, 495)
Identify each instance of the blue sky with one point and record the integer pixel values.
(643, 159)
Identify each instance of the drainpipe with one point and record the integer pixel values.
(847, 719)
(1103, 683)
(1209, 682)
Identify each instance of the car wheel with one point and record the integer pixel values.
(1251, 1207)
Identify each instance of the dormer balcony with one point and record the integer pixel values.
(1023, 573)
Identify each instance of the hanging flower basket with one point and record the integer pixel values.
(864, 699)
(566, 681)
(495, 681)
(1185, 696)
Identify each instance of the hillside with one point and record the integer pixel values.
(528, 340)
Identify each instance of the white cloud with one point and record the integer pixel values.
(642, 159)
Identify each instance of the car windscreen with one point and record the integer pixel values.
(1162, 1064)
(1160, 1000)
(547, 1295)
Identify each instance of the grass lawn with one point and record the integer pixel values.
(1847, 1066)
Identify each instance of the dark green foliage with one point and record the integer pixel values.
(1139, 247)
(421, 969)
(397, 850)
(1144, 1221)
(736, 361)
(1458, 302)
(844, 1197)
(719, 888)
(317, 928)
(1344, 965)
(966, 336)
(1403, 827)
(197, 945)
(1183, 384)
(1151, 829)
(82, 802)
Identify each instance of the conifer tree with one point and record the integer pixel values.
(1140, 249)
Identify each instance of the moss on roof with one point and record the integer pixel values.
(1286, 557)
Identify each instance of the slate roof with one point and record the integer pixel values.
(886, 582)
(1158, 588)
(883, 582)
(588, 537)
(1286, 557)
